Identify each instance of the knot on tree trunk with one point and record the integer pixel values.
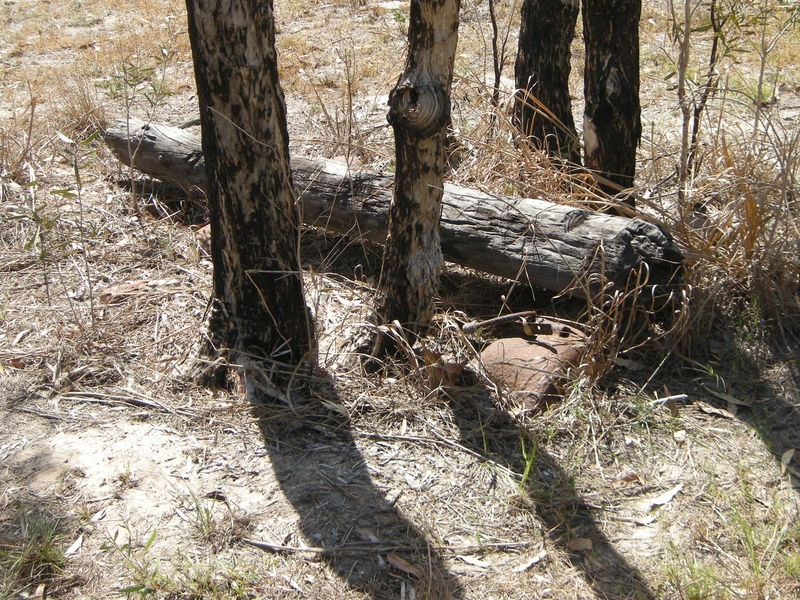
(421, 110)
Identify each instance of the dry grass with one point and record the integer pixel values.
(427, 462)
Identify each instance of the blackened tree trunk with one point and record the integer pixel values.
(419, 110)
(259, 309)
(542, 107)
(611, 123)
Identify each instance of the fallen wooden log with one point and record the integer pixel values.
(547, 245)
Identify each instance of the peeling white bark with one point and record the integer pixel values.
(590, 142)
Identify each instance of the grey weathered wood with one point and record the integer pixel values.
(546, 244)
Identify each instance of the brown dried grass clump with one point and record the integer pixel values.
(741, 234)
(79, 106)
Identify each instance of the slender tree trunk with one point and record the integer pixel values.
(259, 307)
(611, 122)
(543, 111)
(419, 110)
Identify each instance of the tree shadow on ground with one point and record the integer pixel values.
(353, 526)
(563, 513)
(484, 428)
(165, 200)
(343, 514)
(771, 390)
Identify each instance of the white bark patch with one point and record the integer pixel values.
(424, 267)
(589, 136)
(251, 54)
(613, 84)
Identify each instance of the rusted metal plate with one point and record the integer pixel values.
(531, 367)
(203, 237)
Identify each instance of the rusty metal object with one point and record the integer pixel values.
(531, 369)
(521, 323)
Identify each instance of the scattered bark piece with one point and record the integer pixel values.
(649, 504)
(580, 544)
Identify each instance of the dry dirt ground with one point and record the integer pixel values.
(120, 478)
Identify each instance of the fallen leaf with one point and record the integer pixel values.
(529, 563)
(181, 515)
(627, 363)
(651, 503)
(712, 410)
(413, 483)
(625, 479)
(673, 409)
(163, 283)
(580, 544)
(76, 545)
(40, 593)
(527, 328)
(20, 336)
(643, 520)
(474, 561)
(336, 407)
(451, 372)
(119, 292)
(430, 357)
(726, 397)
(64, 138)
(98, 515)
(294, 585)
(367, 533)
(403, 565)
(786, 458)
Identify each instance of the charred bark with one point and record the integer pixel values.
(419, 112)
(611, 122)
(258, 308)
(542, 107)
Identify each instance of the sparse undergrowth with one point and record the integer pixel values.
(34, 535)
(123, 479)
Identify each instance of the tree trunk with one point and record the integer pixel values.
(611, 122)
(419, 112)
(539, 243)
(259, 310)
(543, 111)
